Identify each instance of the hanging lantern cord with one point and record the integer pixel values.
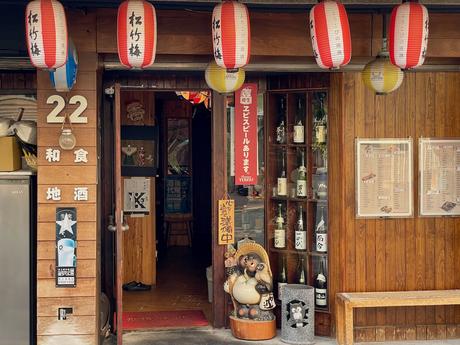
(66, 115)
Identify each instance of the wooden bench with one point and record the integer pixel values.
(345, 302)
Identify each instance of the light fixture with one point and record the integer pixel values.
(380, 75)
(67, 140)
(222, 80)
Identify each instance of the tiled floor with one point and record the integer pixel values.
(224, 337)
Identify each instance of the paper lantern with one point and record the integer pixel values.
(381, 76)
(136, 33)
(231, 34)
(222, 80)
(65, 77)
(194, 97)
(330, 34)
(408, 35)
(46, 32)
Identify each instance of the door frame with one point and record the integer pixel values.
(218, 191)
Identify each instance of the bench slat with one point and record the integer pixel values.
(401, 298)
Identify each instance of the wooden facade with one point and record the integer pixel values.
(366, 255)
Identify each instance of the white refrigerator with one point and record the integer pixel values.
(17, 258)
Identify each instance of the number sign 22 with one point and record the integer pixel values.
(75, 117)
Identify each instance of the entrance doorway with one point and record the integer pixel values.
(164, 144)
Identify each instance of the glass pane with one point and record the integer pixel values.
(249, 200)
(178, 147)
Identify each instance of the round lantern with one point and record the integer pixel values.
(65, 77)
(231, 34)
(194, 97)
(330, 34)
(223, 81)
(381, 76)
(136, 33)
(408, 35)
(46, 32)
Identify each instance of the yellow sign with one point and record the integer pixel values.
(226, 221)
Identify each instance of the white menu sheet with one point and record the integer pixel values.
(439, 165)
(384, 176)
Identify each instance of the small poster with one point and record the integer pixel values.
(245, 145)
(226, 218)
(439, 165)
(384, 176)
(66, 247)
(136, 196)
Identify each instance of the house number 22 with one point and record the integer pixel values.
(75, 117)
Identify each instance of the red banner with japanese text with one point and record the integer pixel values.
(246, 135)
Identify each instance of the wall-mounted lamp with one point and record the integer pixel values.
(67, 140)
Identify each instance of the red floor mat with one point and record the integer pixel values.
(164, 319)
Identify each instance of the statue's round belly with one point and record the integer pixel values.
(244, 291)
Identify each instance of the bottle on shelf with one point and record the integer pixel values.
(301, 274)
(301, 183)
(299, 128)
(321, 234)
(282, 178)
(280, 231)
(281, 126)
(321, 287)
(300, 232)
(282, 276)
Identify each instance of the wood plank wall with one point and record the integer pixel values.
(82, 326)
(395, 254)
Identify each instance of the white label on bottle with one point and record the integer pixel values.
(280, 238)
(321, 297)
(301, 188)
(300, 240)
(280, 289)
(298, 134)
(321, 242)
(320, 134)
(282, 186)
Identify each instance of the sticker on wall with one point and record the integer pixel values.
(136, 196)
(66, 247)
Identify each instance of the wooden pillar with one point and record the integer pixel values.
(66, 174)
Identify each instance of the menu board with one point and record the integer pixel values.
(384, 178)
(439, 177)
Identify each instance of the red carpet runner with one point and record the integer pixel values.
(163, 319)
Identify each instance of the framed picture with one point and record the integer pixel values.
(439, 171)
(139, 150)
(384, 178)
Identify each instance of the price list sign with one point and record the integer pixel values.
(439, 177)
(384, 178)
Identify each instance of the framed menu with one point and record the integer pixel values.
(439, 168)
(384, 176)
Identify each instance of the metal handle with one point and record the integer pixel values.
(111, 227)
(124, 225)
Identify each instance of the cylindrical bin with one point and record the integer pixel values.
(298, 314)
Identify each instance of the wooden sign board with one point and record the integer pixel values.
(226, 218)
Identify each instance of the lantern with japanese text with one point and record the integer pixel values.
(222, 80)
(408, 35)
(65, 77)
(231, 34)
(194, 97)
(330, 34)
(136, 33)
(46, 32)
(381, 76)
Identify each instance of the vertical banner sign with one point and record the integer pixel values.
(66, 247)
(226, 231)
(246, 135)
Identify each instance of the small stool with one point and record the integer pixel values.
(178, 218)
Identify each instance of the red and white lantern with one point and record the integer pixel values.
(46, 31)
(231, 35)
(330, 34)
(408, 39)
(137, 33)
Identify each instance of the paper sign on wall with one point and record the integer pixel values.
(226, 218)
(66, 247)
(246, 135)
(136, 196)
